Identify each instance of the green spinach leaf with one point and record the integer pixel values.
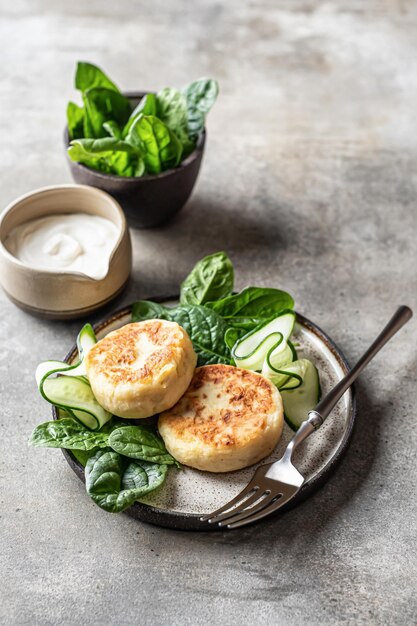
(113, 129)
(252, 305)
(88, 76)
(67, 433)
(82, 456)
(75, 120)
(232, 335)
(160, 147)
(113, 486)
(137, 442)
(148, 310)
(245, 324)
(146, 106)
(109, 155)
(206, 332)
(172, 107)
(196, 123)
(134, 478)
(201, 94)
(173, 111)
(102, 105)
(210, 279)
(164, 126)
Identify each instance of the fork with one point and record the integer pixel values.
(274, 484)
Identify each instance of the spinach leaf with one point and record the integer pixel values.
(160, 147)
(104, 144)
(82, 456)
(173, 111)
(210, 279)
(124, 164)
(113, 129)
(133, 477)
(87, 127)
(163, 126)
(114, 487)
(102, 105)
(109, 155)
(147, 106)
(75, 120)
(88, 76)
(252, 305)
(103, 481)
(137, 442)
(196, 122)
(206, 332)
(67, 433)
(201, 94)
(245, 324)
(147, 310)
(205, 328)
(172, 107)
(232, 335)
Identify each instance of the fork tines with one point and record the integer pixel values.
(256, 500)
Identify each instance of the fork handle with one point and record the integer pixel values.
(327, 404)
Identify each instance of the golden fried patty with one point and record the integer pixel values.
(142, 368)
(227, 419)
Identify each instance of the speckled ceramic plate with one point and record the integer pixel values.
(188, 493)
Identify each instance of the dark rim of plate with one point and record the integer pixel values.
(191, 521)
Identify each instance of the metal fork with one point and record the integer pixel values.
(274, 484)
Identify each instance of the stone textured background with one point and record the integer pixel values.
(309, 182)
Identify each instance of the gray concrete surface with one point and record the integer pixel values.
(309, 182)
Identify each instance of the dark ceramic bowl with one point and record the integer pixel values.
(150, 200)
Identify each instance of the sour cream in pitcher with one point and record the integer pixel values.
(66, 242)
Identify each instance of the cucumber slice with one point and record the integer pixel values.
(251, 350)
(293, 350)
(47, 368)
(298, 402)
(85, 341)
(70, 389)
(75, 396)
(286, 376)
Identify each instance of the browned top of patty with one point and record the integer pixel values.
(137, 352)
(223, 405)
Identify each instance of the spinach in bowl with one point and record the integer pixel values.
(109, 135)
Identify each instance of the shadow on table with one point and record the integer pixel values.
(257, 236)
(254, 234)
(205, 223)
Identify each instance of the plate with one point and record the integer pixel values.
(189, 493)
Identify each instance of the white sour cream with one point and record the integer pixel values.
(74, 242)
